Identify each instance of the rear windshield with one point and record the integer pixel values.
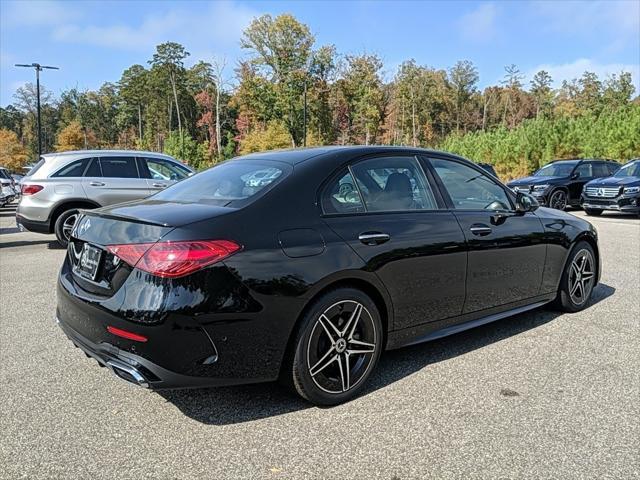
(231, 183)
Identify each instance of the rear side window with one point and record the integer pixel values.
(74, 169)
(390, 184)
(119, 167)
(341, 195)
(36, 167)
(231, 183)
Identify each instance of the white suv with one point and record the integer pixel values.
(61, 183)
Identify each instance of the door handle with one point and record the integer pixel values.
(96, 184)
(373, 238)
(480, 229)
(160, 185)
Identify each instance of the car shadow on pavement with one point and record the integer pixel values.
(231, 405)
(51, 245)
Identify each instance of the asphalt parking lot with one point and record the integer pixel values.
(539, 395)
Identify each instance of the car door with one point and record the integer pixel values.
(386, 209)
(114, 179)
(161, 173)
(507, 249)
(581, 175)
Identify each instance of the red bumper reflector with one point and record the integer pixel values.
(124, 334)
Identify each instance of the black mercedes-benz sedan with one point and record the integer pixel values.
(305, 265)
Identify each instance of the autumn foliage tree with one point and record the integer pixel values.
(75, 137)
(12, 154)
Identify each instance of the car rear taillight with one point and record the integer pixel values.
(30, 189)
(174, 259)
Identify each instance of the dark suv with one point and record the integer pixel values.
(620, 192)
(559, 183)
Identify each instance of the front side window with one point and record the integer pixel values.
(390, 184)
(227, 184)
(470, 189)
(612, 167)
(585, 170)
(600, 170)
(341, 195)
(93, 170)
(74, 169)
(119, 167)
(160, 169)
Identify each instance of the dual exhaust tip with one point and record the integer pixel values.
(128, 373)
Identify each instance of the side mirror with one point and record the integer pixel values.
(525, 203)
(575, 175)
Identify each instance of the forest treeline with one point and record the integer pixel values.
(211, 111)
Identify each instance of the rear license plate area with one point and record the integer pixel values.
(88, 262)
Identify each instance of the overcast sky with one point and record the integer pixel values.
(93, 42)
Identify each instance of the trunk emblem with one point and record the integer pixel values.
(84, 226)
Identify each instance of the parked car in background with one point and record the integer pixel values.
(7, 184)
(3, 199)
(61, 184)
(559, 183)
(619, 192)
(307, 274)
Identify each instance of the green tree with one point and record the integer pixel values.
(463, 77)
(542, 92)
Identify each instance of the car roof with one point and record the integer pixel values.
(103, 153)
(295, 156)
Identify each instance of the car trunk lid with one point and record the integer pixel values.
(96, 269)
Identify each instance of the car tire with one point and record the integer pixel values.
(64, 225)
(592, 213)
(581, 268)
(325, 367)
(558, 200)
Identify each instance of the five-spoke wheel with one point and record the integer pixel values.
(578, 279)
(581, 277)
(341, 346)
(337, 347)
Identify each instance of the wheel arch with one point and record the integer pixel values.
(592, 241)
(68, 204)
(380, 298)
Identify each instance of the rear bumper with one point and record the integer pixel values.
(190, 345)
(32, 225)
(622, 203)
(136, 369)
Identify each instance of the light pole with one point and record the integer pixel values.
(304, 115)
(38, 69)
